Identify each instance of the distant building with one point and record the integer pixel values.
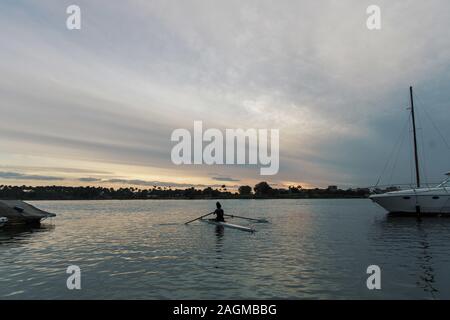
(332, 188)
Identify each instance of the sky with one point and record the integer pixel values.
(97, 106)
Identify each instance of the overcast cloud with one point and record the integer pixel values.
(107, 97)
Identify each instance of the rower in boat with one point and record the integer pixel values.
(220, 221)
(219, 212)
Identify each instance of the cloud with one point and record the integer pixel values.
(54, 169)
(135, 182)
(143, 183)
(113, 92)
(146, 183)
(224, 179)
(21, 176)
(89, 179)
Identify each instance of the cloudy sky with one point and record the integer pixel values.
(97, 106)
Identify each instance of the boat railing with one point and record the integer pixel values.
(404, 186)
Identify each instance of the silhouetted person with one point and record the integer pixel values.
(219, 212)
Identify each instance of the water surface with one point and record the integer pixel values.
(311, 249)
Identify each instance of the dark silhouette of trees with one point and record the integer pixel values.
(263, 189)
(294, 189)
(245, 190)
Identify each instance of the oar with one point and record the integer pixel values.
(258, 220)
(199, 218)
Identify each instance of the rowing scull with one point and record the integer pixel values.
(228, 225)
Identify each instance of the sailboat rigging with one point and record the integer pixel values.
(420, 201)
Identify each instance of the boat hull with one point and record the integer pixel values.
(21, 213)
(228, 225)
(425, 201)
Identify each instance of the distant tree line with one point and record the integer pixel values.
(261, 190)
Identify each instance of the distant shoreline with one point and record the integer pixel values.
(260, 191)
(203, 199)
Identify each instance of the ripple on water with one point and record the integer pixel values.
(142, 249)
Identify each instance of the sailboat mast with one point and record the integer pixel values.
(416, 157)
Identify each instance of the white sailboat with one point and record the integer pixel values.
(420, 201)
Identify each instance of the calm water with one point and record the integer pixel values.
(141, 249)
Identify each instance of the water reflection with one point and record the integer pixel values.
(219, 234)
(416, 237)
(20, 234)
(219, 242)
(141, 249)
(427, 277)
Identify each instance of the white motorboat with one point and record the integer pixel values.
(3, 221)
(418, 200)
